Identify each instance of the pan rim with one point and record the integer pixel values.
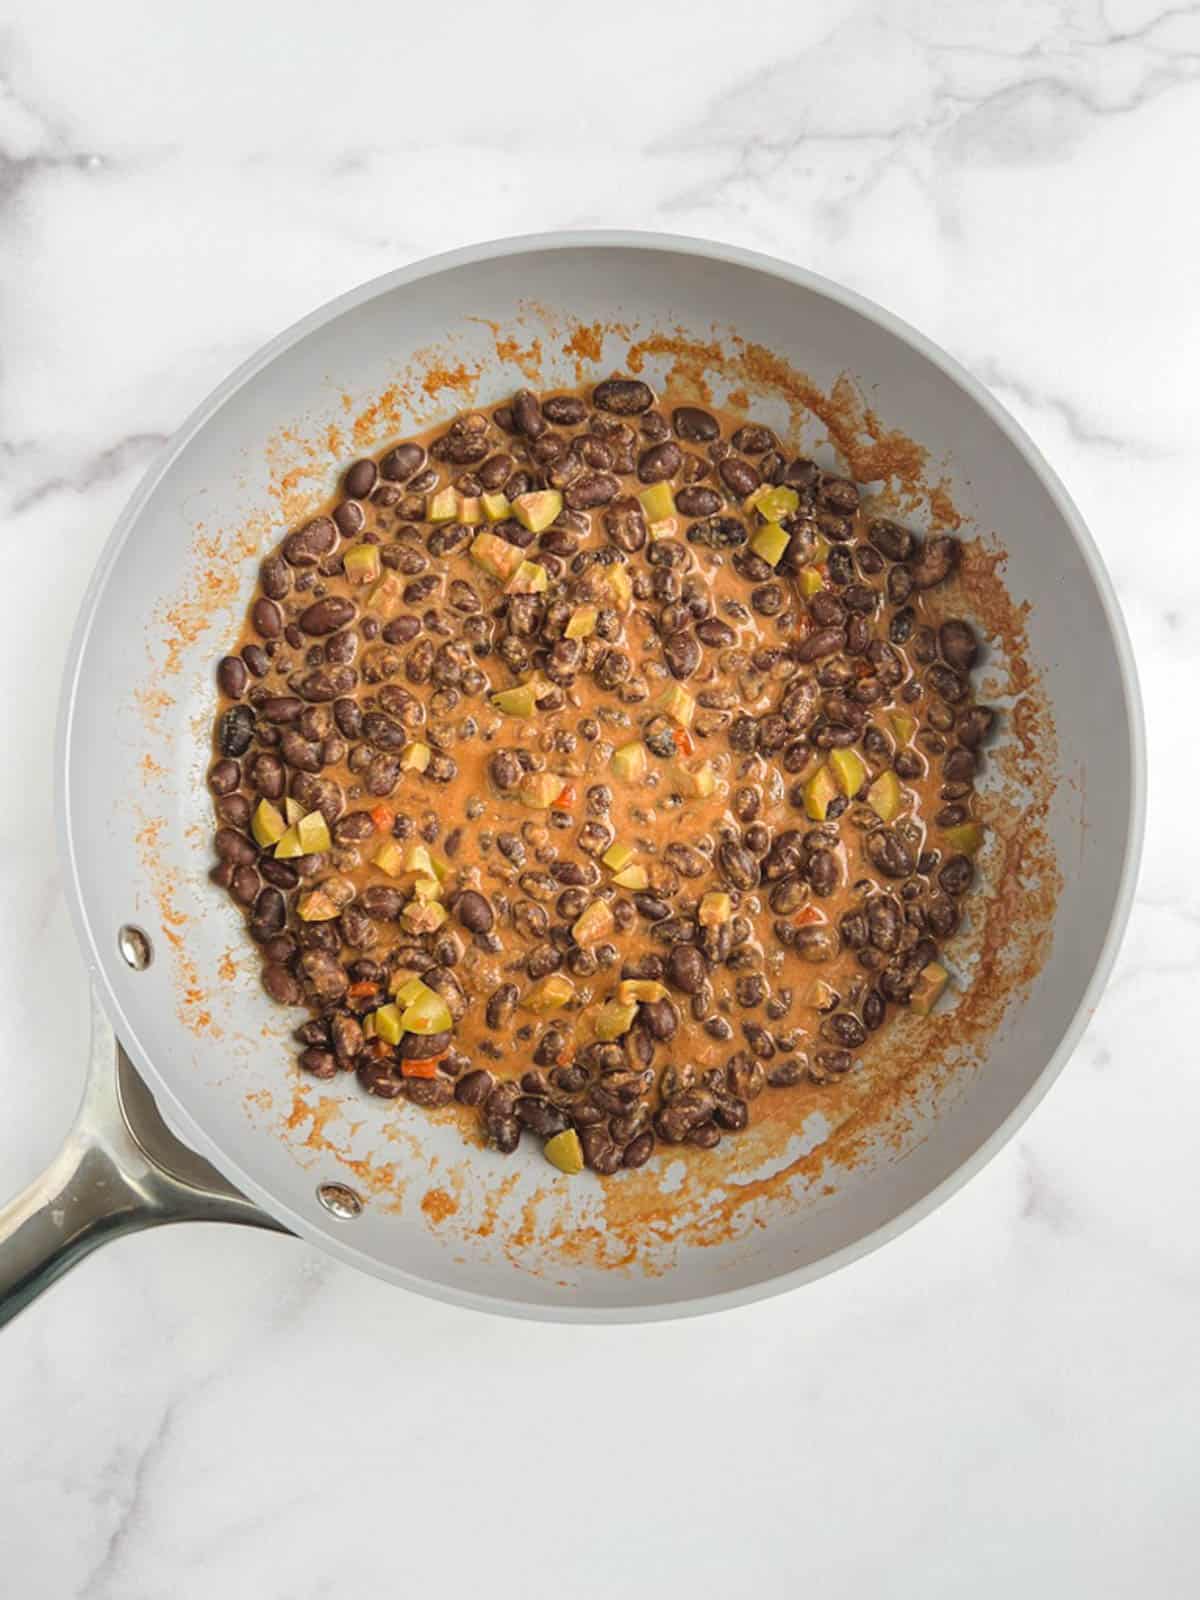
(800, 277)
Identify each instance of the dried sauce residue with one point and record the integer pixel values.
(638, 1221)
(438, 1205)
(193, 1003)
(460, 378)
(378, 1178)
(527, 358)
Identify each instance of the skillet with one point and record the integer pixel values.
(194, 1113)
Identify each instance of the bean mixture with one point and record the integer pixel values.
(600, 764)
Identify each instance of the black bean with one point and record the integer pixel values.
(327, 615)
(276, 578)
(474, 912)
(682, 653)
(828, 1064)
(935, 560)
(896, 543)
(811, 942)
(592, 489)
(738, 476)
(224, 777)
(958, 644)
(737, 866)
(819, 644)
(890, 853)
(659, 461)
(429, 1092)
(956, 874)
(623, 396)
(781, 1074)
(625, 524)
(686, 968)
(752, 439)
(236, 731)
(694, 424)
(527, 414)
(564, 410)
(884, 923)
(823, 872)
(697, 501)
(473, 1088)
(682, 1113)
(946, 683)
(974, 725)
(309, 544)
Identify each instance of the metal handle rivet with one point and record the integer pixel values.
(340, 1200)
(135, 947)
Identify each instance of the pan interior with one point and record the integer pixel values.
(452, 1220)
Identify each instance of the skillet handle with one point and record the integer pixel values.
(120, 1169)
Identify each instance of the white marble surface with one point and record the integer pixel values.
(1005, 1401)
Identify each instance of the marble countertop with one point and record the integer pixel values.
(1005, 1400)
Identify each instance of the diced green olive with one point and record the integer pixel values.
(657, 501)
(884, 796)
(495, 555)
(773, 502)
(529, 578)
(538, 509)
(582, 622)
(849, 770)
(770, 542)
(698, 780)
(594, 923)
(928, 988)
(427, 1013)
(649, 990)
(716, 907)
(267, 825)
(361, 562)
(629, 762)
(550, 994)
(313, 833)
(520, 701)
(388, 1026)
(679, 705)
(819, 793)
(614, 1019)
(540, 790)
(620, 587)
(417, 858)
(618, 855)
(389, 858)
(442, 506)
(633, 877)
(415, 757)
(387, 595)
(564, 1152)
(496, 507)
(423, 916)
(316, 906)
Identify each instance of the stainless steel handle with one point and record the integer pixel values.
(120, 1169)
